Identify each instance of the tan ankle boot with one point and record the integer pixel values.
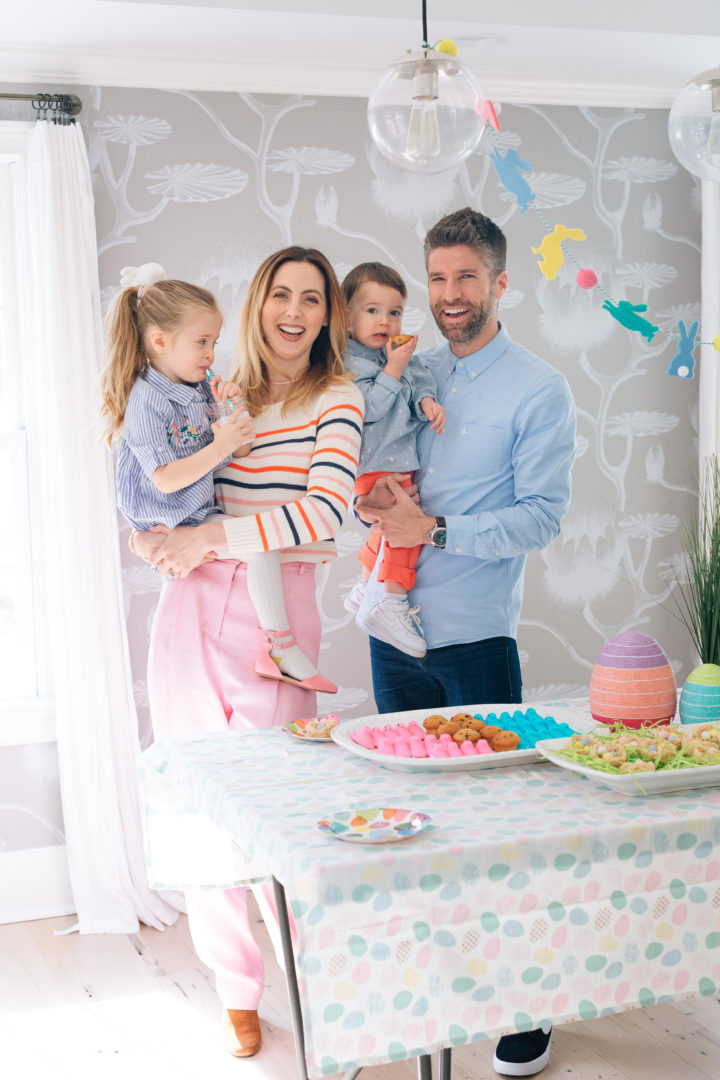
(241, 1032)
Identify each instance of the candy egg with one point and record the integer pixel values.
(700, 697)
(633, 682)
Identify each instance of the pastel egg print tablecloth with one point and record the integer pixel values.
(535, 895)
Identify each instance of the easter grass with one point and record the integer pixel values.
(643, 747)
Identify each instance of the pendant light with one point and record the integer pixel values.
(426, 112)
(694, 125)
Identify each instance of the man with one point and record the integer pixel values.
(494, 486)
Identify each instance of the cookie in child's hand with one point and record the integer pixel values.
(400, 339)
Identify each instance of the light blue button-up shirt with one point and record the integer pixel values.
(500, 475)
(164, 421)
(393, 415)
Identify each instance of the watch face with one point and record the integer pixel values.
(438, 537)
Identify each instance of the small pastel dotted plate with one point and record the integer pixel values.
(299, 729)
(375, 825)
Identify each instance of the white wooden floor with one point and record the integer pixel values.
(142, 1007)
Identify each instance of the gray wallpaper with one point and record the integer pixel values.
(209, 184)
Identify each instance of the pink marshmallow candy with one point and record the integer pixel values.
(386, 746)
(364, 737)
(467, 749)
(482, 746)
(453, 749)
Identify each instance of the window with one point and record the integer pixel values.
(23, 666)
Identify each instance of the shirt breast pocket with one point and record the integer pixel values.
(481, 449)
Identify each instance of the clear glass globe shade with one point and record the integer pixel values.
(426, 113)
(694, 127)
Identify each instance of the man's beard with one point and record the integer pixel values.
(480, 315)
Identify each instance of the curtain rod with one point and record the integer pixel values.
(66, 103)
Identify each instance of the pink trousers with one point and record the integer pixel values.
(201, 678)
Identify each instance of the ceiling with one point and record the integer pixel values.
(619, 52)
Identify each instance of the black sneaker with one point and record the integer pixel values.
(523, 1054)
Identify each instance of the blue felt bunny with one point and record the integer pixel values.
(683, 362)
(508, 167)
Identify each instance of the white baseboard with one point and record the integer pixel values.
(35, 884)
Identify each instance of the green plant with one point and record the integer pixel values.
(698, 599)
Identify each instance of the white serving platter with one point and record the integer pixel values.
(635, 784)
(478, 763)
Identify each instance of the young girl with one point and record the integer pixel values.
(157, 391)
(400, 395)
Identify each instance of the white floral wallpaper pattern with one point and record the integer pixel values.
(209, 184)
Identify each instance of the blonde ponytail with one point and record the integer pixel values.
(166, 304)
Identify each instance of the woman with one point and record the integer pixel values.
(290, 493)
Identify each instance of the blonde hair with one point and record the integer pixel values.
(167, 305)
(254, 358)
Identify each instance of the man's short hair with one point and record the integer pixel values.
(474, 230)
(378, 273)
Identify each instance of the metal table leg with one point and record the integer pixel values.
(445, 1063)
(425, 1067)
(292, 985)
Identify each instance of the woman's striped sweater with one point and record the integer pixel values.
(293, 489)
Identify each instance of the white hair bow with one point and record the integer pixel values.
(142, 276)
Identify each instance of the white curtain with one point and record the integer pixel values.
(709, 388)
(71, 479)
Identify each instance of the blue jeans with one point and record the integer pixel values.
(467, 674)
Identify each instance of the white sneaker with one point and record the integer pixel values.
(354, 598)
(395, 622)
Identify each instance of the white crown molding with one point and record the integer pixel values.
(90, 68)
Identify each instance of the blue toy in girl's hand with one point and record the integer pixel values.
(683, 362)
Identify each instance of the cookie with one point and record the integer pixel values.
(448, 728)
(504, 740)
(400, 339)
(431, 723)
(466, 733)
(464, 719)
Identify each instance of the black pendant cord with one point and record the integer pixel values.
(424, 23)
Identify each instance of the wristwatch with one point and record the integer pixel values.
(438, 534)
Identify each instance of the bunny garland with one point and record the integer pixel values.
(509, 166)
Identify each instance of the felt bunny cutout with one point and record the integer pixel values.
(683, 362)
(142, 276)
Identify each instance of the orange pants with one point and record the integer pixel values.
(398, 564)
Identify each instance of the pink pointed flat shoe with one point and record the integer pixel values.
(268, 666)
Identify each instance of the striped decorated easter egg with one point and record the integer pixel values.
(700, 698)
(632, 681)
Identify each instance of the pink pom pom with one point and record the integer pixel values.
(587, 279)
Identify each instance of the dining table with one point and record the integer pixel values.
(527, 894)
